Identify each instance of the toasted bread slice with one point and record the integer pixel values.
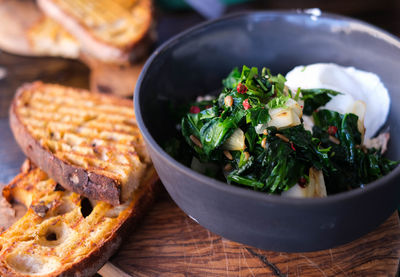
(87, 142)
(16, 18)
(62, 233)
(111, 31)
(48, 38)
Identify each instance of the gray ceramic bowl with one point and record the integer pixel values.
(194, 62)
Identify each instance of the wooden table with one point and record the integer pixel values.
(169, 243)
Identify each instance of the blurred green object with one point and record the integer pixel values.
(181, 4)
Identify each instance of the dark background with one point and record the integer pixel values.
(382, 13)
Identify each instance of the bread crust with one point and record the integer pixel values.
(92, 262)
(105, 51)
(74, 178)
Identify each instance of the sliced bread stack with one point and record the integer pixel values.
(109, 31)
(88, 178)
(112, 37)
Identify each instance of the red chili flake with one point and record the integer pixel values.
(208, 106)
(242, 89)
(332, 130)
(246, 104)
(194, 109)
(301, 106)
(291, 146)
(302, 182)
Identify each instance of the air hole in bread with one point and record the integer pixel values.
(86, 207)
(59, 188)
(51, 236)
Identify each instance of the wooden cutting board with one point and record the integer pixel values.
(169, 243)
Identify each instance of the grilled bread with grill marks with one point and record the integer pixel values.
(112, 31)
(63, 233)
(48, 38)
(87, 142)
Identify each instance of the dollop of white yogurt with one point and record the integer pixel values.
(354, 84)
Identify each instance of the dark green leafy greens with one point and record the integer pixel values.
(355, 164)
(315, 98)
(274, 159)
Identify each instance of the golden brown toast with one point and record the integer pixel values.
(48, 38)
(87, 142)
(63, 233)
(111, 31)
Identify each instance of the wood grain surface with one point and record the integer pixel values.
(169, 243)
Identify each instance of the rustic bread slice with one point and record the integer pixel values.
(48, 38)
(16, 17)
(111, 31)
(87, 142)
(63, 233)
(29, 33)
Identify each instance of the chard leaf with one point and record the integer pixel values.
(278, 102)
(243, 161)
(208, 113)
(350, 136)
(283, 169)
(250, 75)
(315, 98)
(279, 81)
(250, 181)
(215, 132)
(355, 167)
(287, 157)
(191, 125)
(258, 115)
(307, 149)
(233, 79)
(251, 137)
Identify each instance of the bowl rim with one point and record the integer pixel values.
(237, 190)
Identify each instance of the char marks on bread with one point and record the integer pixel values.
(111, 31)
(89, 143)
(63, 233)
